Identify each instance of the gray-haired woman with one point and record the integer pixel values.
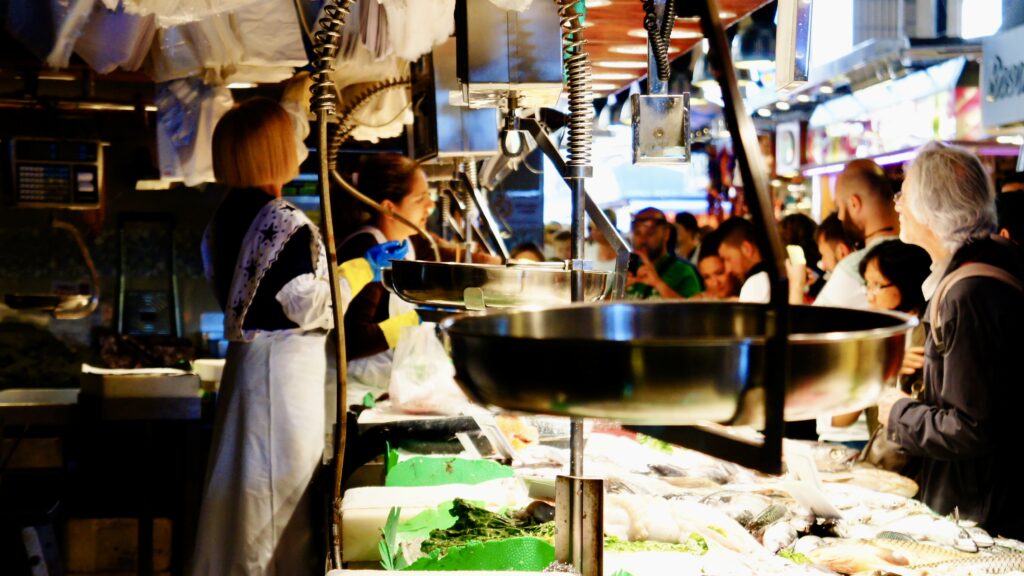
(966, 424)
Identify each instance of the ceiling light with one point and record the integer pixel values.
(589, 23)
(783, 106)
(602, 86)
(724, 15)
(764, 112)
(598, 3)
(677, 34)
(826, 89)
(621, 64)
(637, 49)
(1015, 140)
(804, 98)
(612, 76)
(241, 85)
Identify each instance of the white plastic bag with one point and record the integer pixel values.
(516, 5)
(423, 377)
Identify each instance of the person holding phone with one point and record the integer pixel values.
(660, 274)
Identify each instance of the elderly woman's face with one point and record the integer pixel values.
(912, 231)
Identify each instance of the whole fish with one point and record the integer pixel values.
(778, 536)
(918, 552)
(998, 564)
(770, 515)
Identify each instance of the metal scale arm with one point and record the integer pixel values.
(619, 244)
(765, 456)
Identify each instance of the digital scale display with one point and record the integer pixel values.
(56, 173)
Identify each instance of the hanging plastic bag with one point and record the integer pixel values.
(423, 377)
(112, 39)
(416, 26)
(516, 5)
(187, 113)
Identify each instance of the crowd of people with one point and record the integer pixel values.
(945, 247)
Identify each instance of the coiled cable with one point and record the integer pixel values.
(660, 36)
(323, 102)
(577, 66)
(346, 123)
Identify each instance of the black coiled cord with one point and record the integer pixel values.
(660, 37)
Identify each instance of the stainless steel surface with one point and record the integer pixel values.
(576, 446)
(501, 51)
(444, 284)
(673, 363)
(661, 129)
(579, 523)
(443, 130)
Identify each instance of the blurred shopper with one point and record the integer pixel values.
(718, 283)
(864, 198)
(1010, 209)
(893, 272)
(661, 273)
(738, 250)
(799, 230)
(833, 243)
(599, 249)
(965, 426)
(687, 236)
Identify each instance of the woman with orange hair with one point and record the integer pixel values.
(267, 265)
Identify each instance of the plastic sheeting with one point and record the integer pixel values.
(385, 115)
(515, 5)
(176, 12)
(261, 42)
(113, 40)
(416, 26)
(188, 113)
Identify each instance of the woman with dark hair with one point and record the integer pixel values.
(267, 266)
(894, 272)
(373, 317)
(718, 283)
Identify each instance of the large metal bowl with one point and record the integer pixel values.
(673, 363)
(478, 286)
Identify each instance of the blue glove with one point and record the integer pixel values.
(381, 255)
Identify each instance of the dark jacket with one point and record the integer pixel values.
(967, 425)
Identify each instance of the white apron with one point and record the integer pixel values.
(268, 435)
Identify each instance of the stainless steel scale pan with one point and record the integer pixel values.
(673, 363)
(480, 286)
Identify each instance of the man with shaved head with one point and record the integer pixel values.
(867, 211)
(864, 198)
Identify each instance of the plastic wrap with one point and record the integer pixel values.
(515, 5)
(269, 34)
(423, 377)
(173, 56)
(188, 113)
(416, 26)
(69, 18)
(176, 12)
(112, 39)
(383, 116)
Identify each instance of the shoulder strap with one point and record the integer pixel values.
(969, 270)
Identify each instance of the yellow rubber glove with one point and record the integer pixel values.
(392, 327)
(358, 272)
